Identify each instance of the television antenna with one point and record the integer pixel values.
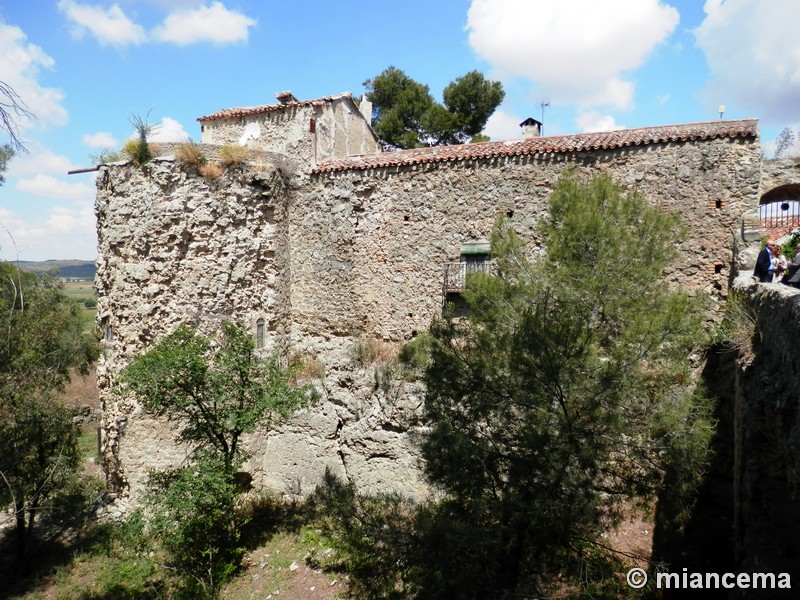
(543, 104)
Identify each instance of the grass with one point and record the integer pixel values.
(83, 291)
(285, 551)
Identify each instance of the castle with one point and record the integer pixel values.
(323, 245)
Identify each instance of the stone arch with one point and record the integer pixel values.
(789, 191)
(779, 196)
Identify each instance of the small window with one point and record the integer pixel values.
(260, 333)
(108, 333)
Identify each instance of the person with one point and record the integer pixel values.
(779, 262)
(792, 274)
(763, 269)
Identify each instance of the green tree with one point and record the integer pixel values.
(472, 99)
(567, 391)
(215, 391)
(6, 154)
(406, 115)
(41, 341)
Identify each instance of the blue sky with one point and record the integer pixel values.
(83, 67)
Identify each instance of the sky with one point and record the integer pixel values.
(85, 67)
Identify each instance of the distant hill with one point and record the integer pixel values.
(82, 269)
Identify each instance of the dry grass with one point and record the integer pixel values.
(190, 154)
(368, 351)
(305, 367)
(231, 155)
(210, 170)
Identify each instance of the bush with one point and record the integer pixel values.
(196, 522)
(210, 170)
(231, 155)
(190, 154)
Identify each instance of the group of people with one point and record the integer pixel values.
(772, 265)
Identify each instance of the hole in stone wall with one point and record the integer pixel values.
(406, 218)
(509, 213)
(719, 203)
(718, 269)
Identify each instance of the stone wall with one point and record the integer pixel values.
(767, 437)
(338, 262)
(308, 131)
(369, 247)
(175, 247)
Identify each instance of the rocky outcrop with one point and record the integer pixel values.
(767, 437)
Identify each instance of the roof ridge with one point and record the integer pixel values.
(240, 111)
(577, 142)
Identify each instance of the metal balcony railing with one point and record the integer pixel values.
(455, 274)
(779, 214)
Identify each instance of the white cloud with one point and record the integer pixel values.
(100, 139)
(575, 50)
(168, 130)
(49, 186)
(214, 23)
(61, 232)
(503, 125)
(20, 68)
(186, 23)
(109, 26)
(39, 160)
(753, 51)
(591, 120)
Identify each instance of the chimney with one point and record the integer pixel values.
(286, 97)
(365, 108)
(531, 128)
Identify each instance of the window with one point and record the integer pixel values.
(260, 333)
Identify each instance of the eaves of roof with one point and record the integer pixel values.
(582, 142)
(246, 111)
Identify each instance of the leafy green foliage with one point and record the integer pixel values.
(197, 523)
(216, 391)
(41, 339)
(216, 396)
(565, 394)
(472, 100)
(139, 149)
(6, 154)
(106, 156)
(406, 115)
(569, 388)
(374, 539)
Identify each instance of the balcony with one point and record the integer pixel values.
(455, 274)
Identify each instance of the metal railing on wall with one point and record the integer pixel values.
(455, 274)
(779, 214)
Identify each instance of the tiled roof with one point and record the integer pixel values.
(540, 145)
(245, 111)
(774, 232)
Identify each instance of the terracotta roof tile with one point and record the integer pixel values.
(244, 111)
(581, 142)
(774, 232)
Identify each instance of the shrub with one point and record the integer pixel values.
(138, 148)
(106, 156)
(210, 170)
(190, 154)
(196, 522)
(367, 351)
(231, 155)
